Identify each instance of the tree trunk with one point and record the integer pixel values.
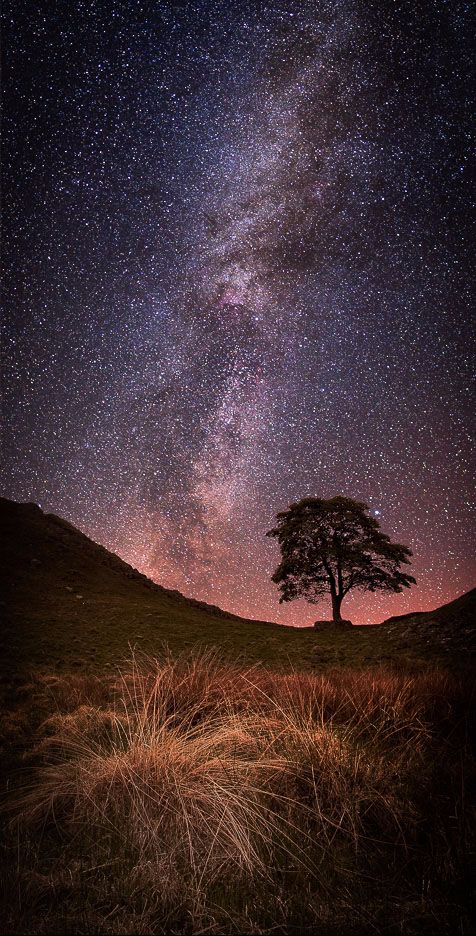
(336, 603)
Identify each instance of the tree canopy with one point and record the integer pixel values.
(333, 546)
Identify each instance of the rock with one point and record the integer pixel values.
(332, 625)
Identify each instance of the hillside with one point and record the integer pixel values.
(68, 602)
(187, 749)
(453, 616)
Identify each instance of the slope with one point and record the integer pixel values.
(69, 603)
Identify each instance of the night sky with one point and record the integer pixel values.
(236, 249)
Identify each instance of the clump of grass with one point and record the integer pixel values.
(68, 693)
(197, 795)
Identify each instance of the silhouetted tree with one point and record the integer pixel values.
(332, 546)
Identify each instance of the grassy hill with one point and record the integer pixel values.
(69, 603)
(194, 794)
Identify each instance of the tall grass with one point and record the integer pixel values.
(195, 796)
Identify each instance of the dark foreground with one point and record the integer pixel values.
(190, 796)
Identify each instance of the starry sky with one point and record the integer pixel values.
(236, 273)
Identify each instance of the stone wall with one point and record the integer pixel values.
(332, 625)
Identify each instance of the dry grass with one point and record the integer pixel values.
(194, 796)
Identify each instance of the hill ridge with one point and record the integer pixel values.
(451, 606)
(111, 560)
(68, 601)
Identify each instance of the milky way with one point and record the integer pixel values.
(237, 273)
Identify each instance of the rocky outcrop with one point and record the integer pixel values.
(332, 625)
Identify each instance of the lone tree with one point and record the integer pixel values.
(334, 546)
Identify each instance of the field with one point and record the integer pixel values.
(168, 768)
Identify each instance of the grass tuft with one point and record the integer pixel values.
(186, 795)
